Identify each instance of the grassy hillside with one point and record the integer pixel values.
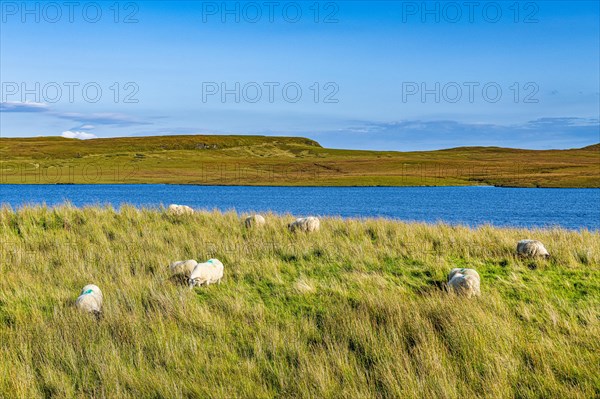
(257, 160)
(357, 310)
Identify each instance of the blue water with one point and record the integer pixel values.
(526, 207)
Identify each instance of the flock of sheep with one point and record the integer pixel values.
(460, 281)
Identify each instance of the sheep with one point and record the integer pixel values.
(254, 221)
(90, 300)
(308, 224)
(464, 272)
(532, 249)
(183, 267)
(208, 272)
(180, 210)
(95, 290)
(465, 282)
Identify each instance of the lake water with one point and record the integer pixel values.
(526, 207)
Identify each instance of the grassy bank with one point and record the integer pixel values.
(357, 310)
(284, 161)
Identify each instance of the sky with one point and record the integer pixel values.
(383, 75)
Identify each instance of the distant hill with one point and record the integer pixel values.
(268, 160)
(594, 147)
(59, 147)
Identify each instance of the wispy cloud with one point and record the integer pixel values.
(108, 119)
(560, 123)
(14, 106)
(413, 135)
(85, 121)
(78, 135)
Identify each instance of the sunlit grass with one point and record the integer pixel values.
(357, 310)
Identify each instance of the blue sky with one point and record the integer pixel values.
(373, 75)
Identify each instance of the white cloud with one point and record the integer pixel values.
(78, 135)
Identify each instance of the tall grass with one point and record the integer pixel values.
(357, 310)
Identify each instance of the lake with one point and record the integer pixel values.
(522, 207)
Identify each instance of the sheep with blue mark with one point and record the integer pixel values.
(209, 272)
(90, 300)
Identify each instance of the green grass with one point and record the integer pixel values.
(357, 310)
(284, 161)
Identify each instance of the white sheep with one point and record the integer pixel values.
(207, 273)
(464, 272)
(254, 221)
(531, 248)
(90, 300)
(465, 282)
(308, 224)
(180, 209)
(183, 267)
(95, 290)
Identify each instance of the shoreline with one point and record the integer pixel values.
(300, 185)
(162, 209)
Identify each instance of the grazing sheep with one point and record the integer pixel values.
(183, 267)
(254, 221)
(464, 272)
(180, 209)
(532, 249)
(465, 282)
(94, 289)
(208, 272)
(90, 300)
(308, 224)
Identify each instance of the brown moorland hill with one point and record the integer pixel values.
(284, 161)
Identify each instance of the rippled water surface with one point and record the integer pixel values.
(527, 207)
